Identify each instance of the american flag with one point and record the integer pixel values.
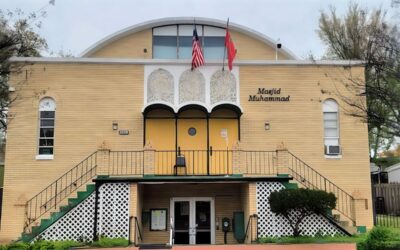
(197, 52)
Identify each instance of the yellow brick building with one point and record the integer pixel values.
(128, 141)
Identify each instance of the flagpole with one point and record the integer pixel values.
(194, 27)
(223, 60)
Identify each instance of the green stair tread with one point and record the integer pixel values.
(54, 216)
(283, 175)
(290, 185)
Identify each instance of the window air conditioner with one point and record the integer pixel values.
(332, 150)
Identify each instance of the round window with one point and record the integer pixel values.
(192, 131)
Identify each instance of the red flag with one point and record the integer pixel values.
(197, 53)
(230, 48)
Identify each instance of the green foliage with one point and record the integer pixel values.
(387, 161)
(305, 201)
(111, 242)
(369, 36)
(18, 246)
(380, 238)
(54, 245)
(308, 239)
(65, 245)
(17, 38)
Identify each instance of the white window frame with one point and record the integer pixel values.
(46, 104)
(331, 106)
(180, 30)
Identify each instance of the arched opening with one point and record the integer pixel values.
(203, 140)
(159, 127)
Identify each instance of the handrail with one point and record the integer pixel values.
(171, 232)
(137, 227)
(310, 178)
(200, 162)
(58, 190)
(259, 162)
(250, 225)
(126, 162)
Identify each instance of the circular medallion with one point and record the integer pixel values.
(192, 131)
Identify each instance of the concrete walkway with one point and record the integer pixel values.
(333, 246)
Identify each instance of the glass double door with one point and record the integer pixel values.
(193, 220)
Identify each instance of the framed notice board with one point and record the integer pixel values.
(158, 219)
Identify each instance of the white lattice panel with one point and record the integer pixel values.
(114, 213)
(77, 224)
(272, 225)
(113, 216)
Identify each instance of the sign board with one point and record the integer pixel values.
(224, 133)
(158, 219)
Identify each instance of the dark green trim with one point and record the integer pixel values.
(199, 179)
(283, 175)
(55, 216)
(289, 185)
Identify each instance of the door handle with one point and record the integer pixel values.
(211, 150)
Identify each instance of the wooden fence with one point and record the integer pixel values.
(387, 204)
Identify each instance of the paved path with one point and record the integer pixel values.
(337, 246)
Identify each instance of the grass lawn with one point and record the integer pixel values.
(380, 238)
(306, 239)
(388, 220)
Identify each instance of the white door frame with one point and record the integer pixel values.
(192, 214)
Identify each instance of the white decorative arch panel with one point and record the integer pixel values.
(176, 85)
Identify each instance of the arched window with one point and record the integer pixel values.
(47, 111)
(331, 127)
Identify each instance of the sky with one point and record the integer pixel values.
(72, 26)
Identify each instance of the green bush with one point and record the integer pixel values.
(18, 246)
(42, 245)
(380, 238)
(305, 201)
(111, 242)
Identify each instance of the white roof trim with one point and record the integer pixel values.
(393, 167)
(181, 62)
(183, 20)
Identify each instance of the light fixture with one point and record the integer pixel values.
(267, 126)
(115, 125)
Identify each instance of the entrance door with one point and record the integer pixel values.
(192, 142)
(193, 220)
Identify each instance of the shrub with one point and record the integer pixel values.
(305, 201)
(380, 238)
(111, 242)
(17, 246)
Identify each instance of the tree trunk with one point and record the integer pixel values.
(376, 146)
